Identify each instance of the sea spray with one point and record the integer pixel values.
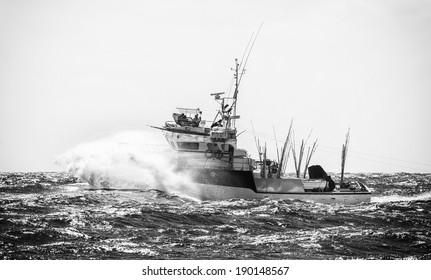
(132, 159)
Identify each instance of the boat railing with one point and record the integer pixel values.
(222, 134)
(189, 111)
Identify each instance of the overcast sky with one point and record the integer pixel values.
(75, 71)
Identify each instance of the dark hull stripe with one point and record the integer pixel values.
(230, 178)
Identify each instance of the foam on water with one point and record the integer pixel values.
(400, 198)
(85, 223)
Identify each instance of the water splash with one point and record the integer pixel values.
(126, 160)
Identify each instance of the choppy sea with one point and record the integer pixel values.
(57, 216)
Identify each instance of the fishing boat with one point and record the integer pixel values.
(207, 153)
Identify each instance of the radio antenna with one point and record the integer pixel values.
(249, 52)
(241, 69)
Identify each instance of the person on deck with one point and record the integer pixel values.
(196, 120)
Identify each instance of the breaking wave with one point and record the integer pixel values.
(125, 160)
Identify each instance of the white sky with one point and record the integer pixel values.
(72, 71)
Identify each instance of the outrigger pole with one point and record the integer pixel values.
(276, 145)
(285, 152)
(257, 145)
(344, 150)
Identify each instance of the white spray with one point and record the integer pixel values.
(126, 160)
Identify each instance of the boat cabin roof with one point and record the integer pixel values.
(188, 111)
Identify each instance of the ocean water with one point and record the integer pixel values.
(57, 216)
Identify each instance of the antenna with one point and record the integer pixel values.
(217, 95)
(245, 51)
(249, 52)
(240, 70)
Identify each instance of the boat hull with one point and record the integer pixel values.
(217, 192)
(227, 178)
(212, 184)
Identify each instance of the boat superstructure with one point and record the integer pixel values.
(208, 153)
(211, 145)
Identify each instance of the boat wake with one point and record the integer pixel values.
(127, 160)
(401, 198)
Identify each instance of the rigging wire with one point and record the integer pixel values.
(381, 157)
(229, 89)
(379, 161)
(268, 136)
(407, 161)
(333, 150)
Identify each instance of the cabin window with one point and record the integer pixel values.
(188, 145)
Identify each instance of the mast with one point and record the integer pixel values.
(235, 95)
(228, 114)
(236, 79)
(239, 69)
